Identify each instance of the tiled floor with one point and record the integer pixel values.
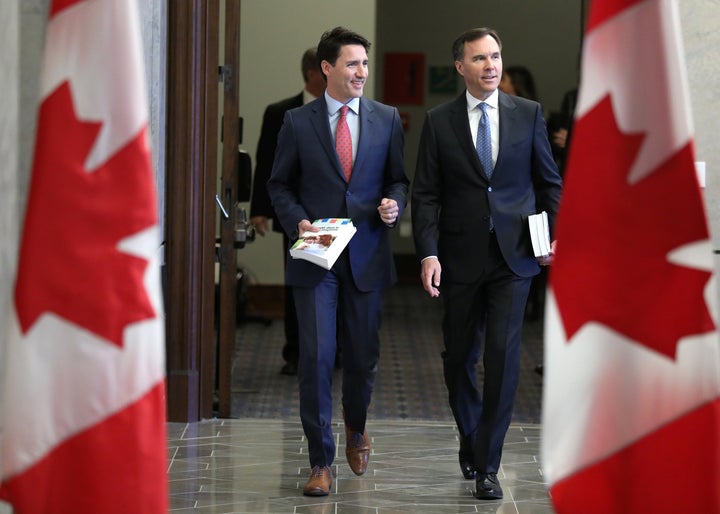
(260, 466)
(257, 462)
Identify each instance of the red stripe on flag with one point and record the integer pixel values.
(673, 470)
(603, 11)
(58, 5)
(118, 466)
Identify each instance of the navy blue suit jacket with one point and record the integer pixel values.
(307, 182)
(452, 197)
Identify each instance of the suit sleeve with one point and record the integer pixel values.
(426, 193)
(260, 202)
(396, 181)
(547, 181)
(283, 183)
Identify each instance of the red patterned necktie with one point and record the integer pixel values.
(343, 143)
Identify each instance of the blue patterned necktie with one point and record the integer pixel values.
(483, 143)
(483, 146)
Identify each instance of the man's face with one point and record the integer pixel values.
(347, 78)
(481, 66)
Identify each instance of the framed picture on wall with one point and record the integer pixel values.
(404, 78)
(442, 80)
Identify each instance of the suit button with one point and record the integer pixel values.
(490, 189)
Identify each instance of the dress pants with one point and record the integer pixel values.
(291, 347)
(490, 312)
(335, 313)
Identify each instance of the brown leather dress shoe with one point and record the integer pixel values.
(319, 482)
(357, 450)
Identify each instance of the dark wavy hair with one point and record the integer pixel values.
(332, 41)
(458, 47)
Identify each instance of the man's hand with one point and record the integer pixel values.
(306, 226)
(430, 271)
(388, 210)
(548, 260)
(559, 137)
(260, 223)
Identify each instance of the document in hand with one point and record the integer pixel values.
(324, 247)
(540, 234)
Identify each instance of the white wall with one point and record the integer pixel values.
(273, 36)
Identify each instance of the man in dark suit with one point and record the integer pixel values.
(261, 210)
(470, 224)
(341, 305)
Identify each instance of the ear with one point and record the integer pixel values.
(459, 68)
(325, 67)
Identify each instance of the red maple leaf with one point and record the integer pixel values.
(69, 259)
(614, 238)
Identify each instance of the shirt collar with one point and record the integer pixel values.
(334, 106)
(473, 102)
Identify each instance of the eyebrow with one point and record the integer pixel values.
(493, 54)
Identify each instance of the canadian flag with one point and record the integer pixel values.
(83, 412)
(631, 408)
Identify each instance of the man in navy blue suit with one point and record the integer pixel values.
(340, 306)
(470, 225)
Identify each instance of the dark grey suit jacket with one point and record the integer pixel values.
(452, 198)
(260, 204)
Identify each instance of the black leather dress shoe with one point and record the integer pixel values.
(467, 468)
(465, 456)
(487, 487)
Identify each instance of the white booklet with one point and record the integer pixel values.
(324, 247)
(540, 234)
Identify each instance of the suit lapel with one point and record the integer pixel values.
(367, 120)
(321, 125)
(507, 122)
(461, 126)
